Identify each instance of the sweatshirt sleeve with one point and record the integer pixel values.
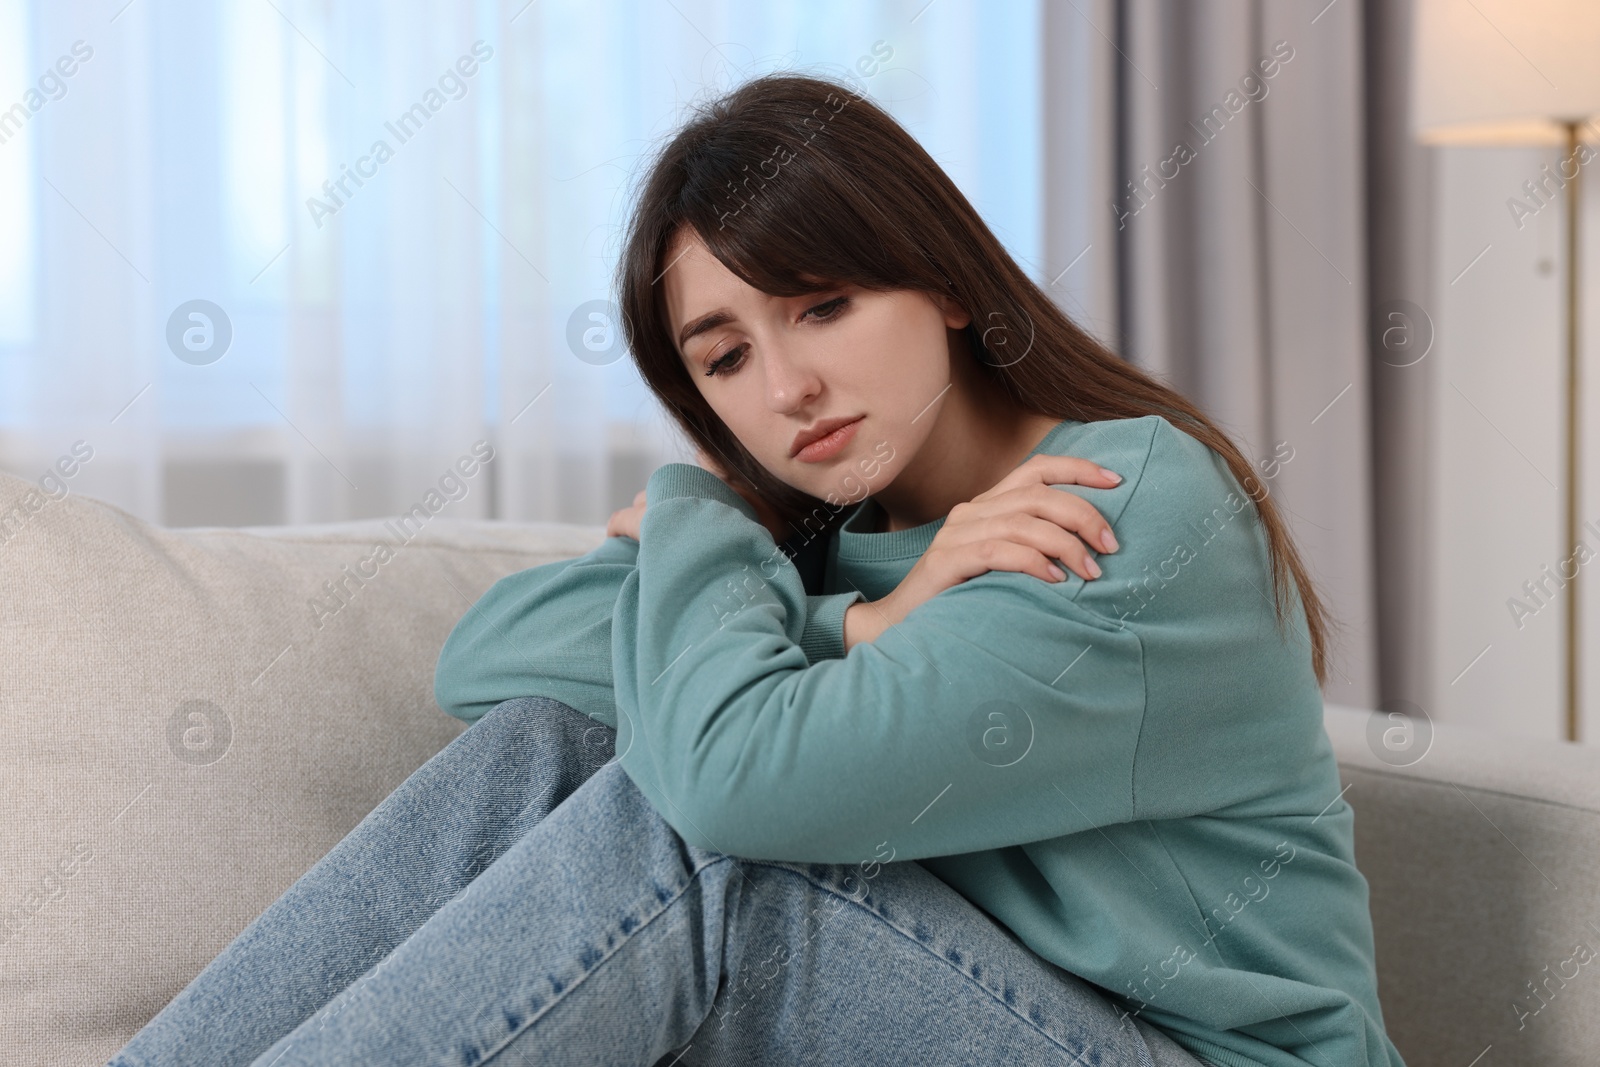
(545, 631)
(1002, 711)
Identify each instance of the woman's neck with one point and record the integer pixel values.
(978, 437)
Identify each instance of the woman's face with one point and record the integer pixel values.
(781, 371)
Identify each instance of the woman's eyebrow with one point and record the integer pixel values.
(705, 322)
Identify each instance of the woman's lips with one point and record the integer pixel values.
(827, 447)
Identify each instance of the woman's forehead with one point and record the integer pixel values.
(695, 282)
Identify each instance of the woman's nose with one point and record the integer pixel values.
(791, 383)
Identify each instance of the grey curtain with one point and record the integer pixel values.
(1231, 197)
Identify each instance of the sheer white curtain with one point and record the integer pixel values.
(397, 217)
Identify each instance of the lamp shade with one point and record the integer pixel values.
(1503, 71)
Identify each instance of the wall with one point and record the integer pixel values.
(1499, 450)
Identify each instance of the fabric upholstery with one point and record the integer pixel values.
(180, 738)
(1483, 859)
(189, 720)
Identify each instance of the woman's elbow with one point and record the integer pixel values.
(452, 700)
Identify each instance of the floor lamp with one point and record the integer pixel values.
(1500, 72)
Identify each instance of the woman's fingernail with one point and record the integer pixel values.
(1057, 573)
(1092, 567)
(1107, 540)
(1113, 475)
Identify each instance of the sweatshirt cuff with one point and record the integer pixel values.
(824, 633)
(673, 480)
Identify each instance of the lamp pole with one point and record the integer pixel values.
(1573, 185)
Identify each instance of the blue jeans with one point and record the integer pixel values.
(518, 901)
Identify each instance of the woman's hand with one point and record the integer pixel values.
(1020, 525)
(625, 521)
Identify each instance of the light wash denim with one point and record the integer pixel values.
(517, 901)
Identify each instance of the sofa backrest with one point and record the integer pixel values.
(189, 720)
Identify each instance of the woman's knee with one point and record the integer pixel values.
(554, 745)
(545, 718)
(493, 783)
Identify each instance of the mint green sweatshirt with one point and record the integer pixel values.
(1130, 773)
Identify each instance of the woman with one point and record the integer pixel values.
(819, 757)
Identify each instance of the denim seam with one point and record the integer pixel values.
(557, 998)
(995, 996)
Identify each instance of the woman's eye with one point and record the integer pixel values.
(733, 358)
(830, 309)
(728, 362)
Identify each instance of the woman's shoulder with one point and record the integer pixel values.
(1178, 503)
(1160, 464)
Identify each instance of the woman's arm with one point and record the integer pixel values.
(545, 631)
(748, 748)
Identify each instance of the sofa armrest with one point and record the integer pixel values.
(1482, 854)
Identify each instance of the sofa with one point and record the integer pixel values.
(192, 717)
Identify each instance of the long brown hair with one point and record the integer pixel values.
(796, 183)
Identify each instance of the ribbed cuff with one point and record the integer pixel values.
(824, 633)
(685, 479)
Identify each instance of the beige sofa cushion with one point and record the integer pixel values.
(182, 733)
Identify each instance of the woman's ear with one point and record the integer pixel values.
(956, 317)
